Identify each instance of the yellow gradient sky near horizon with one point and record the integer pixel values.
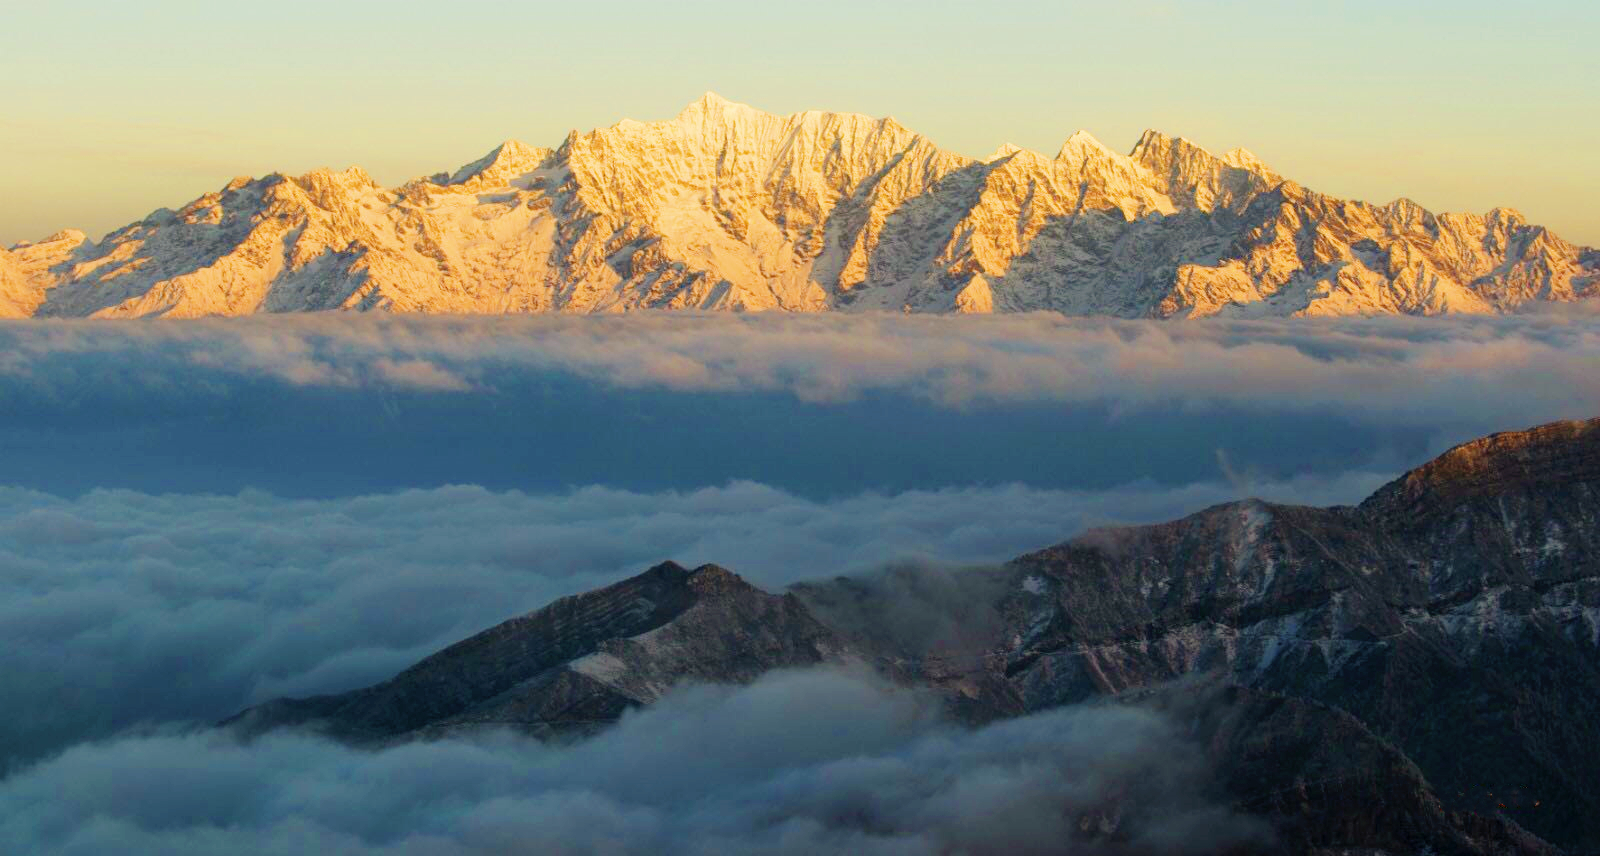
(113, 109)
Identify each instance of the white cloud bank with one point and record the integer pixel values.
(127, 617)
(1532, 366)
(818, 761)
(122, 609)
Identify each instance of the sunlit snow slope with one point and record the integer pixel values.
(728, 207)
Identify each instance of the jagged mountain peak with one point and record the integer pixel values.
(714, 108)
(713, 580)
(351, 176)
(709, 100)
(1243, 158)
(730, 207)
(1504, 216)
(705, 578)
(1156, 144)
(504, 162)
(1005, 150)
(735, 118)
(1014, 156)
(1161, 151)
(69, 236)
(1083, 144)
(718, 127)
(1190, 171)
(1408, 210)
(64, 236)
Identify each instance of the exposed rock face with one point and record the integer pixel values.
(728, 207)
(1456, 613)
(1416, 671)
(1328, 784)
(579, 662)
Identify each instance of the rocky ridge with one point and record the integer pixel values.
(727, 207)
(578, 663)
(1413, 672)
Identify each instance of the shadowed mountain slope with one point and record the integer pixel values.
(1417, 671)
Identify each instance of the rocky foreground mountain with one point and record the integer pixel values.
(1419, 671)
(730, 208)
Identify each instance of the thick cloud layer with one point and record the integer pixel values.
(1375, 365)
(824, 406)
(206, 515)
(818, 761)
(121, 609)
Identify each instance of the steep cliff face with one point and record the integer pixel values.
(1416, 671)
(728, 207)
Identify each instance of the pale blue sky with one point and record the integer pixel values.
(113, 109)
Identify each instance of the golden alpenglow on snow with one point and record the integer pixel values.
(919, 477)
(727, 207)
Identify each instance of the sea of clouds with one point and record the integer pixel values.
(199, 516)
(824, 406)
(818, 761)
(125, 610)
(1372, 365)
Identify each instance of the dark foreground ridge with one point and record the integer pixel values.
(1417, 672)
(580, 662)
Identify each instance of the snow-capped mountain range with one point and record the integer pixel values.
(731, 208)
